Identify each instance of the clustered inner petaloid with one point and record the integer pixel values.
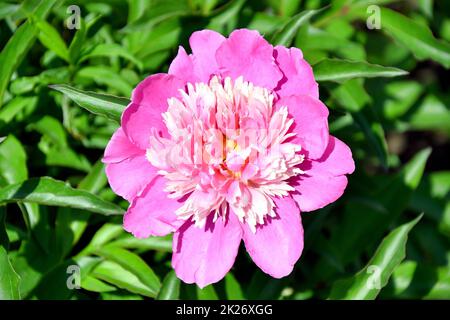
(228, 148)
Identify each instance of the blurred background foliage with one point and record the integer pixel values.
(57, 209)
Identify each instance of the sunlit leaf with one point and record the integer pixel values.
(51, 192)
(287, 32)
(341, 70)
(170, 289)
(133, 263)
(117, 275)
(105, 105)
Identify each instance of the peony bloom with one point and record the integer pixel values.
(232, 144)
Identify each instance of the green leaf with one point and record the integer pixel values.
(368, 282)
(207, 293)
(233, 288)
(77, 43)
(416, 37)
(13, 171)
(95, 180)
(163, 244)
(106, 233)
(432, 113)
(115, 274)
(111, 50)
(170, 289)
(51, 192)
(51, 39)
(133, 263)
(225, 18)
(286, 34)
(107, 76)
(91, 283)
(14, 107)
(351, 95)
(105, 105)
(18, 45)
(9, 279)
(313, 40)
(341, 70)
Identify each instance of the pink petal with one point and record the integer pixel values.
(183, 67)
(246, 53)
(152, 213)
(129, 177)
(204, 45)
(120, 148)
(298, 77)
(201, 64)
(148, 101)
(277, 245)
(204, 255)
(310, 123)
(324, 180)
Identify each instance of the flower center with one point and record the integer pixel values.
(228, 148)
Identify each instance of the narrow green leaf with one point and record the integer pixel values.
(288, 31)
(105, 234)
(159, 10)
(341, 70)
(51, 192)
(77, 43)
(207, 293)
(51, 39)
(368, 282)
(111, 50)
(133, 263)
(226, 16)
(170, 289)
(93, 284)
(15, 106)
(233, 288)
(115, 274)
(374, 132)
(416, 37)
(103, 75)
(95, 180)
(105, 105)
(163, 244)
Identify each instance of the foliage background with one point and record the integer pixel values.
(397, 124)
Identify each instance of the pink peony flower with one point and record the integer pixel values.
(232, 144)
